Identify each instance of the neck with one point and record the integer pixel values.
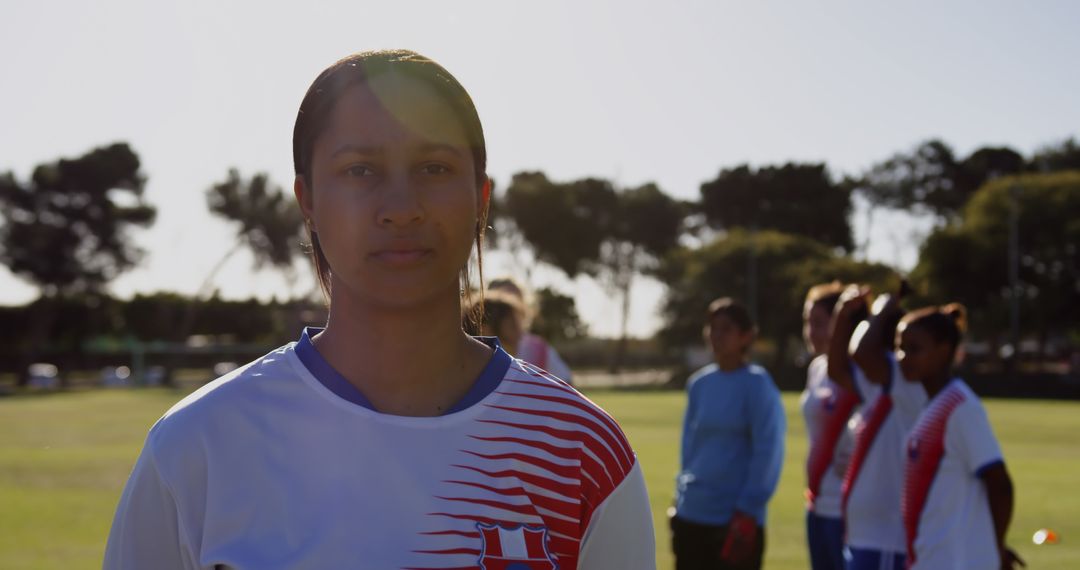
(377, 347)
(935, 383)
(731, 362)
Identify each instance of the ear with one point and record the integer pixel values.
(305, 200)
(485, 197)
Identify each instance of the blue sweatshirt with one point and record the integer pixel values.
(732, 445)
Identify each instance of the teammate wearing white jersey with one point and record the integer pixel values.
(958, 496)
(826, 407)
(532, 347)
(391, 439)
(873, 482)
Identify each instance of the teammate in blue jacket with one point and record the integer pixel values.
(732, 451)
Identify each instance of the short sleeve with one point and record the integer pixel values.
(620, 534)
(970, 437)
(146, 532)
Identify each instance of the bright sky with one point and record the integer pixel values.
(628, 90)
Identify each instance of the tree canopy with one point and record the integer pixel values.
(587, 226)
(969, 261)
(798, 199)
(66, 229)
(788, 266)
(933, 179)
(268, 221)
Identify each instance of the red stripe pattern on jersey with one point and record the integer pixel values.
(865, 434)
(925, 449)
(836, 410)
(542, 457)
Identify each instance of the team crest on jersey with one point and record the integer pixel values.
(830, 403)
(517, 547)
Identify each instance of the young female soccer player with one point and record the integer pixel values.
(873, 482)
(732, 451)
(958, 497)
(533, 348)
(826, 407)
(389, 439)
(500, 317)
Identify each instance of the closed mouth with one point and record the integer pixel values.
(401, 256)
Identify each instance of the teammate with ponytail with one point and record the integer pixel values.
(958, 496)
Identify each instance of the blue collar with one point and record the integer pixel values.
(485, 384)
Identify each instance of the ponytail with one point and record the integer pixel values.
(947, 323)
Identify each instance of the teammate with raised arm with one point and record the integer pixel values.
(873, 482)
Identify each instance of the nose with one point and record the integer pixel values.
(400, 204)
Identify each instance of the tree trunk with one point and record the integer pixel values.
(624, 283)
(193, 306)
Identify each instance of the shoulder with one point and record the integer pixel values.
(529, 396)
(707, 370)
(941, 414)
(760, 379)
(966, 406)
(201, 410)
(544, 393)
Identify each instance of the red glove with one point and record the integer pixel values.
(741, 539)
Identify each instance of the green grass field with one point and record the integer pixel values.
(64, 459)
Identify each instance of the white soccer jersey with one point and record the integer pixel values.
(874, 480)
(946, 512)
(826, 408)
(270, 467)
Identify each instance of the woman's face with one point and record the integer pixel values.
(394, 196)
(816, 328)
(726, 338)
(920, 357)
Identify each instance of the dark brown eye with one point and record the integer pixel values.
(358, 170)
(434, 168)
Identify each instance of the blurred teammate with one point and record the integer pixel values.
(500, 317)
(826, 407)
(532, 348)
(732, 451)
(958, 496)
(874, 478)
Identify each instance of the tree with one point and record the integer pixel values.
(968, 261)
(268, 222)
(565, 223)
(66, 230)
(931, 179)
(1056, 158)
(798, 199)
(789, 265)
(557, 318)
(587, 226)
